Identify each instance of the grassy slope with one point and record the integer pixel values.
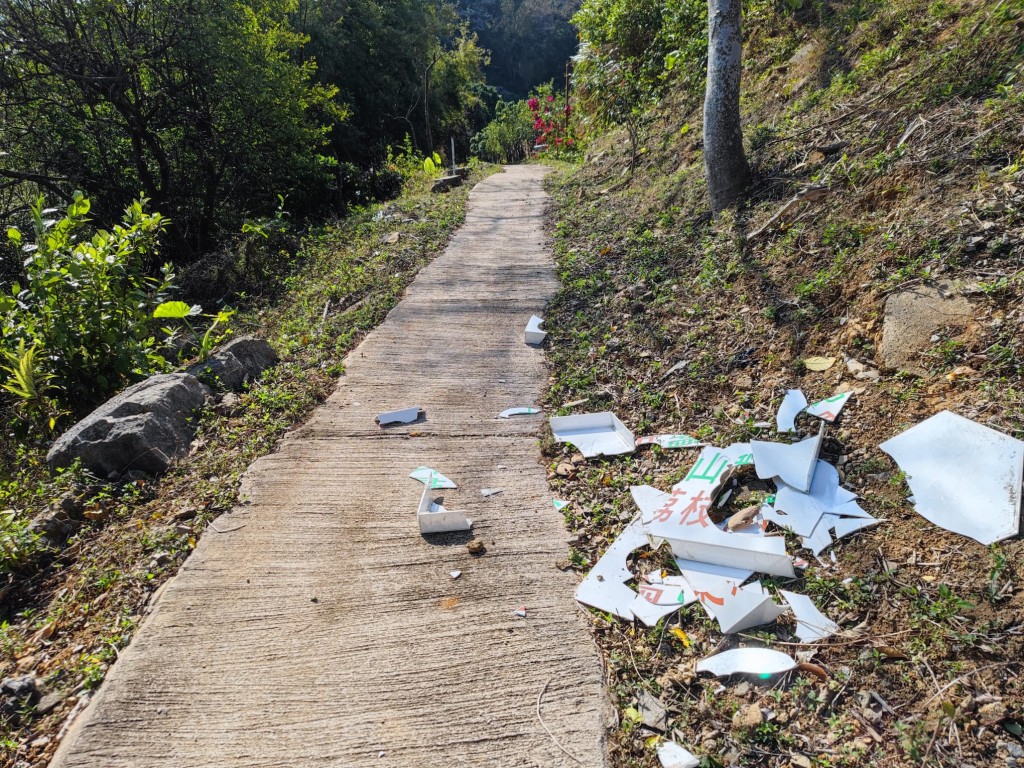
(65, 616)
(649, 281)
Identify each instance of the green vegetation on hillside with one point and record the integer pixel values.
(902, 120)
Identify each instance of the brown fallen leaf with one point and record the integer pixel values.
(565, 469)
(744, 517)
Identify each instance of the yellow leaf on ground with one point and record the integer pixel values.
(681, 636)
(819, 363)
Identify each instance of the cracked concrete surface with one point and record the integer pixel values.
(321, 629)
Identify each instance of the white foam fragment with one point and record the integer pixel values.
(534, 334)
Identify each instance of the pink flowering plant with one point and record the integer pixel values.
(552, 122)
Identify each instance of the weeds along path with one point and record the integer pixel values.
(319, 628)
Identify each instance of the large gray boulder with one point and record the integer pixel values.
(237, 363)
(142, 429)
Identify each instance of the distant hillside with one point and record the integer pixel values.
(530, 40)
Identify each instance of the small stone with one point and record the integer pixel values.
(476, 547)
(747, 718)
(49, 702)
(741, 690)
(990, 714)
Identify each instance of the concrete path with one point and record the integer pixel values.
(327, 631)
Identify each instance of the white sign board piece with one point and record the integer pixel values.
(595, 434)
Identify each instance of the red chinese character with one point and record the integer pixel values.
(707, 597)
(698, 505)
(665, 513)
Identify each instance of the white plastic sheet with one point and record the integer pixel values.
(792, 404)
(403, 416)
(829, 408)
(524, 411)
(754, 661)
(431, 478)
(965, 477)
(811, 624)
(671, 755)
(434, 518)
(595, 434)
(792, 463)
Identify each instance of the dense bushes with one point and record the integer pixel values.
(509, 137)
(79, 320)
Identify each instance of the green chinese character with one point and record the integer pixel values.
(715, 466)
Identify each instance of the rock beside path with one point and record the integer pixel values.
(236, 364)
(142, 429)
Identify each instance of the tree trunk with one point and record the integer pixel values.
(725, 165)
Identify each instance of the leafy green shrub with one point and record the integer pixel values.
(86, 303)
(508, 137)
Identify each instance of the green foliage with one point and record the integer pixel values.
(85, 303)
(190, 104)
(508, 137)
(17, 541)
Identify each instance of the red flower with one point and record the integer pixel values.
(533, 104)
(551, 98)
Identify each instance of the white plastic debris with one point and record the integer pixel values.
(559, 504)
(756, 661)
(736, 607)
(520, 612)
(434, 518)
(404, 416)
(485, 492)
(431, 477)
(649, 500)
(671, 755)
(669, 441)
(800, 512)
(829, 408)
(792, 404)
(791, 463)
(517, 412)
(455, 574)
(595, 434)
(965, 477)
(707, 543)
(534, 334)
(604, 587)
(811, 624)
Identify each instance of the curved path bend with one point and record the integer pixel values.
(327, 631)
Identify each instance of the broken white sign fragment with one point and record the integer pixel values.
(595, 434)
(533, 333)
(485, 492)
(404, 416)
(518, 412)
(829, 408)
(434, 518)
(431, 478)
(811, 624)
(965, 477)
(669, 441)
(671, 755)
(792, 463)
(755, 661)
(792, 404)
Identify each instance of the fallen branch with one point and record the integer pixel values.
(810, 194)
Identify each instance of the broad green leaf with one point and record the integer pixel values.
(14, 235)
(175, 309)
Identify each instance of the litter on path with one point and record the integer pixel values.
(508, 412)
(432, 478)
(965, 477)
(595, 434)
(763, 662)
(533, 333)
(793, 463)
(434, 518)
(403, 416)
(485, 492)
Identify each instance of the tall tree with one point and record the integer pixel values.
(725, 164)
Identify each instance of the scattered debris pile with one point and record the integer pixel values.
(955, 468)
